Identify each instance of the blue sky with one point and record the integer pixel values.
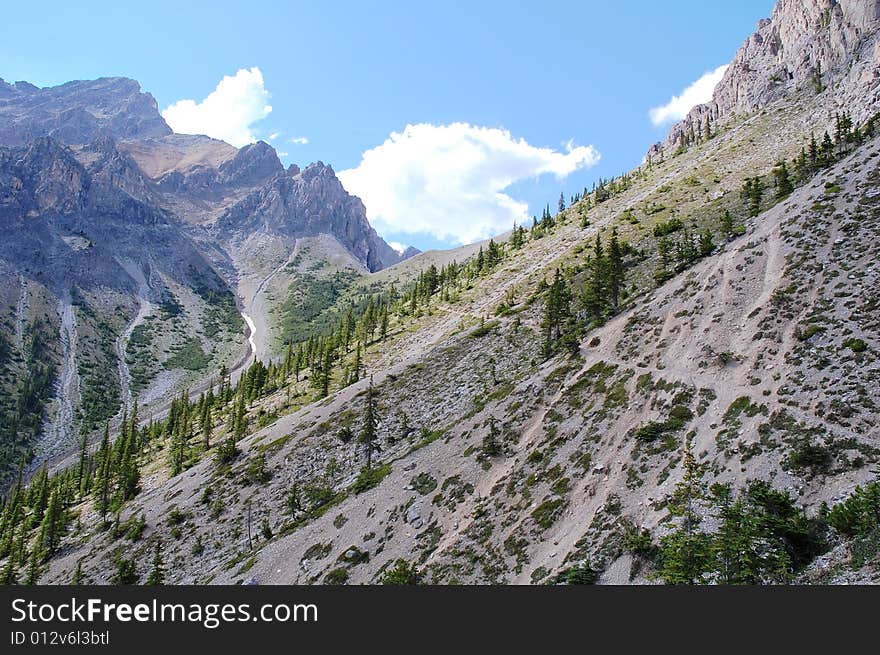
(503, 98)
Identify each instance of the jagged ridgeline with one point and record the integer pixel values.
(673, 377)
(129, 252)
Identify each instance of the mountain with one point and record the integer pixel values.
(675, 379)
(120, 237)
(804, 46)
(78, 112)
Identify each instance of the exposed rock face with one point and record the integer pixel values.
(47, 195)
(120, 142)
(305, 203)
(78, 112)
(806, 45)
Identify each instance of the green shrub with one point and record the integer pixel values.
(337, 576)
(580, 574)
(668, 227)
(856, 345)
(369, 478)
(547, 512)
(859, 514)
(423, 483)
(402, 573)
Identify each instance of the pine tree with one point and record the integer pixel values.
(817, 78)
(83, 463)
(556, 314)
(491, 442)
(596, 285)
(753, 192)
(207, 426)
(782, 181)
(104, 475)
(294, 500)
(383, 326)
(733, 543)
(615, 268)
(126, 571)
(685, 553)
(727, 225)
(77, 574)
(34, 569)
(664, 257)
(368, 436)
(707, 244)
(157, 573)
(9, 574)
(813, 152)
(826, 150)
(53, 524)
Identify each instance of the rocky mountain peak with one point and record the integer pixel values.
(78, 112)
(306, 203)
(252, 163)
(319, 169)
(810, 46)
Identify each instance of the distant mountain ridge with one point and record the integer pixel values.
(145, 244)
(115, 109)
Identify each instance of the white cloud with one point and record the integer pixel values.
(399, 247)
(274, 136)
(300, 140)
(696, 94)
(282, 153)
(449, 180)
(227, 113)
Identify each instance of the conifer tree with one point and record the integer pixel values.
(207, 426)
(685, 553)
(557, 312)
(157, 573)
(727, 225)
(103, 481)
(782, 181)
(83, 463)
(53, 524)
(77, 574)
(594, 297)
(368, 436)
(34, 565)
(664, 257)
(615, 268)
(813, 152)
(826, 150)
(707, 244)
(753, 192)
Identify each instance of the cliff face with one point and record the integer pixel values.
(812, 46)
(48, 197)
(313, 201)
(190, 178)
(78, 112)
